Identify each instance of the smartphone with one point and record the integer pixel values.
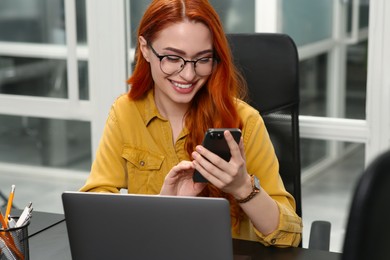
(215, 141)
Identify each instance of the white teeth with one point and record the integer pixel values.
(181, 85)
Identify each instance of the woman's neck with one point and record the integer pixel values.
(174, 113)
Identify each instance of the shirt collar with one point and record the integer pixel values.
(148, 108)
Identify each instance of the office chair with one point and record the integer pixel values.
(368, 227)
(269, 63)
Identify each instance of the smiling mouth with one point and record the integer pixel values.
(182, 86)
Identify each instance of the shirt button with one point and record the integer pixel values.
(273, 241)
(142, 163)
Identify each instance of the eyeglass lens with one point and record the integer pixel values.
(171, 64)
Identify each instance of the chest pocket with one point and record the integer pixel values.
(144, 170)
(143, 160)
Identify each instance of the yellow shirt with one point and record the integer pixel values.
(136, 152)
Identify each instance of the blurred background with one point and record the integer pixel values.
(63, 63)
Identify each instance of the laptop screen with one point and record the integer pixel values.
(126, 226)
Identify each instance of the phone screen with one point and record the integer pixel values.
(215, 141)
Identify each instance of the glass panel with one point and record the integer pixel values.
(236, 16)
(312, 152)
(33, 77)
(39, 77)
(81, 21)
(38, 21)
(137, 9)
(45, 142)
(307, 21)
(32, 21)
(363, 14)
(327, 195)
(83, 80)
(356, 80)
(313, 83)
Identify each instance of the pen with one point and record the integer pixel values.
(25, 215)
(9, 204)
(11, 223)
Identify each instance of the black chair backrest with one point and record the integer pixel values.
(269, 63)
(368, 228)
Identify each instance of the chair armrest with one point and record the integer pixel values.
(320, 235)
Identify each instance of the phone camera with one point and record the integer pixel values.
(220, 136)
(212, 135)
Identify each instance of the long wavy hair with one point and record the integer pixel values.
(215, 103)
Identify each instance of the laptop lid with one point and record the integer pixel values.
(128, 226)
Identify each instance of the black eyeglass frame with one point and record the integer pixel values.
(161, 57)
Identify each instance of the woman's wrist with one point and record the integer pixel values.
(244, 190)
(255, 189)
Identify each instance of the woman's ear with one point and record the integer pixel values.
(143, 45)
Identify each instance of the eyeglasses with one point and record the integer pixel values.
(172, 64)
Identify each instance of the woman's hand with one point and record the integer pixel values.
(230, 177)
(233, 178)
(179, 181)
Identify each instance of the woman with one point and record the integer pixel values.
(185, 82)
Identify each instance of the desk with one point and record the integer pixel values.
(40, 221)
(43, 221)
(52, 243)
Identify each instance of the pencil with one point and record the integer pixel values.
(9, 204)
(8, 240)
(3, 221)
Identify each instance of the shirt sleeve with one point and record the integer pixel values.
(262, 161)
(288, 232)
(108, 169)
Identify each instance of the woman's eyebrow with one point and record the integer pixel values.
(181, 52)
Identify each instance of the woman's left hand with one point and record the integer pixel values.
(179, 181)
(230, 177)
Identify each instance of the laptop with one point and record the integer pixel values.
(128, 226)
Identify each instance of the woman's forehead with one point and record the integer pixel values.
(185, 35)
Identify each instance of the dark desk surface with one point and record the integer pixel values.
(40, 221)
(52, 243)
(257, 251)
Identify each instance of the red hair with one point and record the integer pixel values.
(215, 104)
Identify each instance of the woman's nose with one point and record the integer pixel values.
(188, 72)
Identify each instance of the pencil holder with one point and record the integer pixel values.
(14, 243)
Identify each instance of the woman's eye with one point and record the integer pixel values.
(173, 58)
(204, 60)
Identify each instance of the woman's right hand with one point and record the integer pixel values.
(179, 181)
